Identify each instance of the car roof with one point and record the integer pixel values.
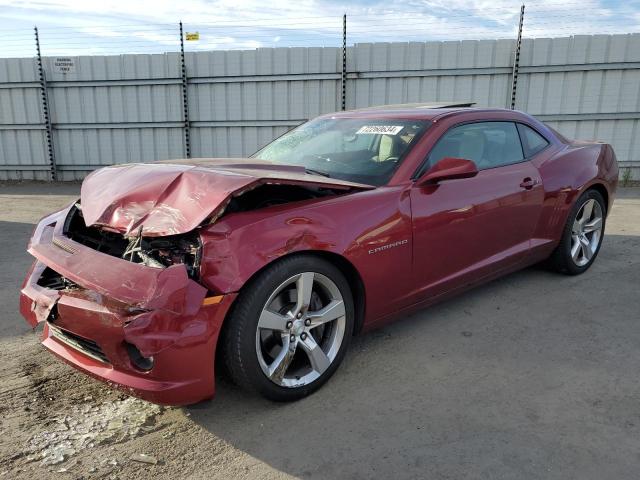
(423, 106)
(418, 111)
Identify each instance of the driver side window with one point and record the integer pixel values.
(487, 144)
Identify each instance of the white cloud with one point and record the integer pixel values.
(111, 26)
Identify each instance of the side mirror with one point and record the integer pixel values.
(448, 168)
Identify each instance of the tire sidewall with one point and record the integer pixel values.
(260, 290)
(570, 265)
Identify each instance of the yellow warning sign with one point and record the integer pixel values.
(193, 36)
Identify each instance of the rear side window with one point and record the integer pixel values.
(488, 144)
(532, 141)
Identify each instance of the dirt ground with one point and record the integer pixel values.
(531, 376)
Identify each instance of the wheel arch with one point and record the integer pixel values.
(558, 260)
(602, 190)
(347, 268)
(354, 278)
(596, 185)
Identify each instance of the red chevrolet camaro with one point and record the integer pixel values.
(270, 264)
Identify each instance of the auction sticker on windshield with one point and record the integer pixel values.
(380, 129)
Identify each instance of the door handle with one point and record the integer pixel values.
(528, 183)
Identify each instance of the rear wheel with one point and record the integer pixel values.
(290, 328)
(582, 235)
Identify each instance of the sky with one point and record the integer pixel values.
(84, 27)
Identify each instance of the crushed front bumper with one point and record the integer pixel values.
(111, 312)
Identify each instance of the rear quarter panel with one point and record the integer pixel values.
(566, 174)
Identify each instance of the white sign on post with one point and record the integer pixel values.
(64, 65)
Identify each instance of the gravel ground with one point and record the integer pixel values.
(531, 376)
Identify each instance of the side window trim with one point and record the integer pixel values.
(424, 165)
(523, 140)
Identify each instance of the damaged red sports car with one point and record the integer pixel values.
(160, 272)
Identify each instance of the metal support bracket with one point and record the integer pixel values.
(516, 61)
(343, 78)
(45, 110)
(185, 100)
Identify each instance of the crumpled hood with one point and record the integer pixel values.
(169, 198)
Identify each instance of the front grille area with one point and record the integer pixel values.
(103, 241)
(84, 345)
(158, 252)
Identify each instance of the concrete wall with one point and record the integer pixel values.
(128, 108)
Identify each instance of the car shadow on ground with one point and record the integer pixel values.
(519, 378)
(15, 264)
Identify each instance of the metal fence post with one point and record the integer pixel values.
(185, 101)
(343, 79)
(45, 110)
(516, 61)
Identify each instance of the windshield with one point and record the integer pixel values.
(355, 149)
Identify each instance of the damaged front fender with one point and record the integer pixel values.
(150, 307)
(133, 284)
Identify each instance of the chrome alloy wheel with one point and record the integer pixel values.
(300, 329)
(586, 232)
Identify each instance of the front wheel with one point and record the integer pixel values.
(290, 328)
(582, 235)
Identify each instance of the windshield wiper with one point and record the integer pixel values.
(316, 172)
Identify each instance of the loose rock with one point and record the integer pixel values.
(144, 458)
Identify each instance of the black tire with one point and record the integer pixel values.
(561, 260)
(239, 334)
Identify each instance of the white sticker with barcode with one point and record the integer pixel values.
(379, 130)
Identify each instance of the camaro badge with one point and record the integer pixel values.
(388, 246)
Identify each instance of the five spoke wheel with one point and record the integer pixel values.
(300, 329)
(586, 232)
(582, 235)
